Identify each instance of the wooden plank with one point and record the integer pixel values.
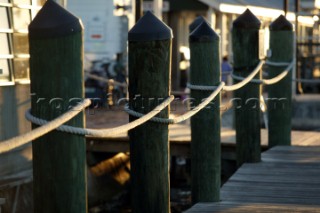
(179, 136)
(237, 207)
(266, 191)
(280, 165)
(292, 154)
(286, 181)
(288, 159)
(265, 185)
(179, 141)
(270, 174)
(271, 200)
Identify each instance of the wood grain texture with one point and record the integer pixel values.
(58, 158)
(280, 94)
(287, 180)
(149, 77)
(180, 137)
(245, 44)
(238, 207)
(205, 125)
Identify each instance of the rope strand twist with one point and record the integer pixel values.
(17, 141)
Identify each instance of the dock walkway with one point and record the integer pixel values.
(287, 180)
(180, 137)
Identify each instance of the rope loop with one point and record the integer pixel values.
(154, 119)
(17, 141)
(245, 80)
(186, 115)
(271, 81)
(104, 132)
(47, 126)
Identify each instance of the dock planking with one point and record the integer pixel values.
(234, 207)
(287, 180)
(180, 137)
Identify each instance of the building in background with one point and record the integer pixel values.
(220, 14)
(106, 25)
(104, 41)
(15, 167)
(15, 16)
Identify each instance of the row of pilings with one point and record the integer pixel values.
(56, 50)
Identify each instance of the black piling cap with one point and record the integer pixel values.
(149, 28)
(203, 33)
(281, 24)
(197, 21)
(247, 21)
(54, 21)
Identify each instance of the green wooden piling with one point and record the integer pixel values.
(280, 94)
(245, 43)
(149, 77)
(56, 53)
(205, 125)
(196, 22)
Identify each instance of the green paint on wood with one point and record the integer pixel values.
(149, 77)
(57, 84)
(196, 22)
(279, 98)
(205, 125)
(149, 64)
(245, 43)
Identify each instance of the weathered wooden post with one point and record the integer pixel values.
(149, 75)
(245, 43)
(205, 125)
(280, 94)
(56, 53)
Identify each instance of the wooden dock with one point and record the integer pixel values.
(287, 180)
(180, 137)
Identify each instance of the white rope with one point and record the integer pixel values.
(281, 75)
(250, 77)
(309, 81)
(203, 104)
(105, 132)
(154, 119)
(274, 80)
(244, 81)
(57, 123)
(201, 87)
(278, 64)
(109, 81)
(185, 116)
(15, 142)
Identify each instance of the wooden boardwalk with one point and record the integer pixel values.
(180, 137)
(287, 180)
